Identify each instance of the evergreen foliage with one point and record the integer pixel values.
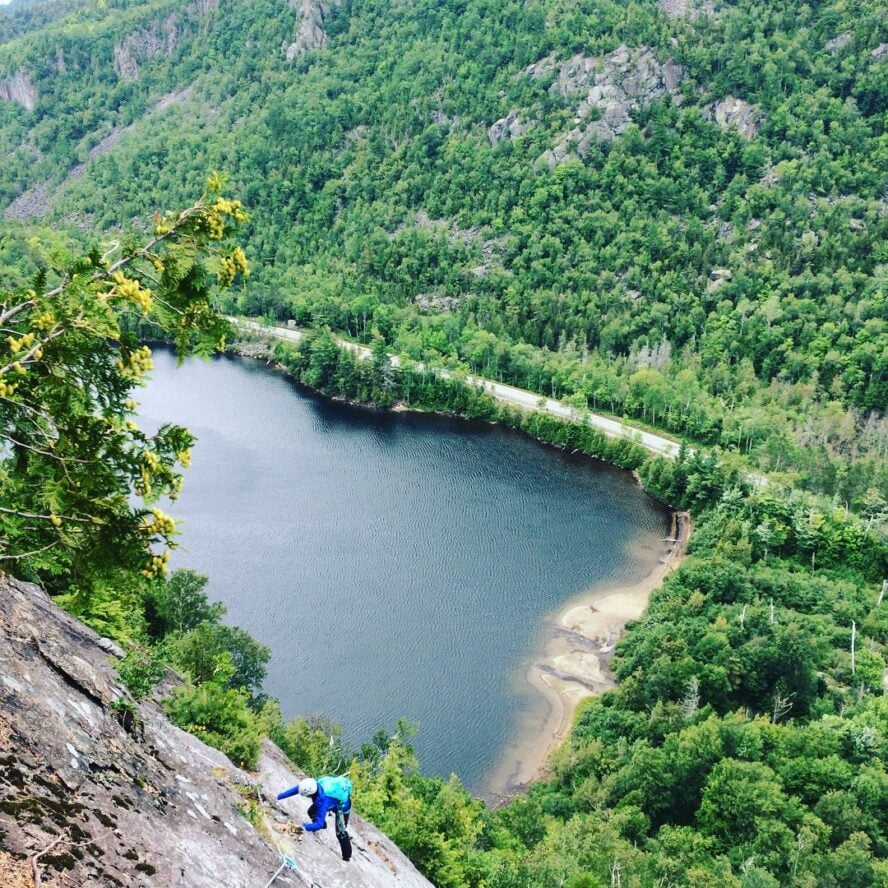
(728, 287)
(741, 747)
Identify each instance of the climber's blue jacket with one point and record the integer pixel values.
(334, 794)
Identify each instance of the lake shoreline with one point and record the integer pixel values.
(573, 665)
(258, 350)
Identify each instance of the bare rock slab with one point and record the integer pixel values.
(106, 799)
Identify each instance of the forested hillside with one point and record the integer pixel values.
(674, 211)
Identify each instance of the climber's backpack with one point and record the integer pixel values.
(339, 788)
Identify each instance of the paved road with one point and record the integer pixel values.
(611, 427)
(505, 393)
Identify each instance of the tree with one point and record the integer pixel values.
(738, 798)
(219, 715)
(314, 743)
(71, 457)
(873, 506)
(200, 652)
(179, 604)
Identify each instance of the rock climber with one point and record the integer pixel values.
(327, 794)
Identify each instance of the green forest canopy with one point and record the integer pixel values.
(725, 282)
(728, 286)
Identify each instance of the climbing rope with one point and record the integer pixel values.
(287, 862)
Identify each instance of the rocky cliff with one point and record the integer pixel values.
(19, 89)
(158, 38)
(609, 88)
(90, 794)
(311, 33)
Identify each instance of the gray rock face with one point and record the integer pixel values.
(204, 7)
(880, 52)
(90, 792)
(611, 87)
(19, 89)
(624, 74)
(718, 277)
(436, 302)
(159, 38)
(675, 9)
(733, 112)
(509, 127)
(30, 204)
(311, 33)
(840, 41)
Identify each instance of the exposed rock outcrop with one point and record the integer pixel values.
(31, 204)
(204, 7)
(437, 302)
(509, 127)
(311, 33)
(675, 9)
(159, 38)
(734, 112)
(611, 86)
(880, 52)
(718, 277)
(491, 255)
(468, 236)
(103, 792)
(840, 41)
(19, 89)
(37, 201)
(623, 75)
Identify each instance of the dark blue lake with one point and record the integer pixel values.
(396, 564)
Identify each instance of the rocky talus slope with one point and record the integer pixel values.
(90, 795)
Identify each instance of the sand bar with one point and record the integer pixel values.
(574, 664)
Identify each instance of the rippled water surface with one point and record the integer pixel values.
(395, 564)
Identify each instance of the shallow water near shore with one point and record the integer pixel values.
(396, 564)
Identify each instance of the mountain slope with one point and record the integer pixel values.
(95, 790)
(673, 212)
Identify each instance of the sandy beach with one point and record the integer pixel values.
(574, 664)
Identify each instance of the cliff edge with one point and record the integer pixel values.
(95, 789)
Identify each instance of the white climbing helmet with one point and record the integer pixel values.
(308, 787)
